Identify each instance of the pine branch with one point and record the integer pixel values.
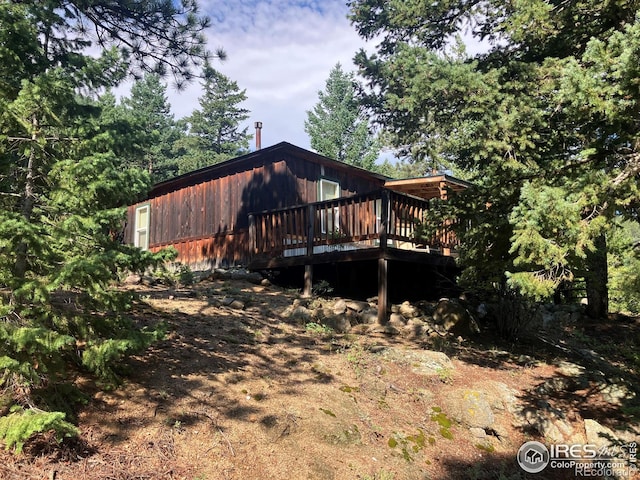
(48, 139)
(632, 168)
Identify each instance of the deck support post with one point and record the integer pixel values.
(382, 290)
(308, 281)
(382, 260)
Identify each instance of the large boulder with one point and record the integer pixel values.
(423, 362)
(606, 438)
(455, 318)
(471, 407)
(599, 435)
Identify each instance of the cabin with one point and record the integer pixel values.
(287, 208)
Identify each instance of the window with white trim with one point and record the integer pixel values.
(141, 232)
(330, 190)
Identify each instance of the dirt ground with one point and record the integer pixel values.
(244, 393)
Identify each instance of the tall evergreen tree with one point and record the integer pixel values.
(213, 132)
(150, 107)
(63, 190)
(337, 125)
(543, 121)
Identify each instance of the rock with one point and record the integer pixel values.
(320, 313)
(132, 279)
(599, 435)
(576, 376)
(338, 323)
(428, 362)
(407, 310)
(569, 369)
(397, 320)
(526, 360)
(556, 385)
(470, 407)
(478, 432)
(414, 328)
(369, 315)
(454, 318)
(242, 274)
(222, 273)
(339, 307)
(617, 393)
(504, 398)
(550, 423)
(237, 305)
(298, 312)
(344, 435)
(383, 329)
(357, 306)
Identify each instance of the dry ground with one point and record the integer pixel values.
(238, 394)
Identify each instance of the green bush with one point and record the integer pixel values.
(18, 426)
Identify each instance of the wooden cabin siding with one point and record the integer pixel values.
(205, 214)
(308, 174)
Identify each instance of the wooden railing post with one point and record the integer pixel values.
(253, 241)
(311, 220)
(308, 265)
(384, 219)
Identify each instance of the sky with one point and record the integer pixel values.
(281, 53)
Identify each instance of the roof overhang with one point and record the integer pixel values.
(435, 186)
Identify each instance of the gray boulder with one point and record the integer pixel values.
(471, 407)
(455, 318)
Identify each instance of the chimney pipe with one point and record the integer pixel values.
(258, 126)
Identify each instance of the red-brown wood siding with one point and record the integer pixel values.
(208, 221)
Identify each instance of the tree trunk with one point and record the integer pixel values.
(596, 280)
(20, 266)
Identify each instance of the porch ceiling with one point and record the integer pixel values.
(427, 187)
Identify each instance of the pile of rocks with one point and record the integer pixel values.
(412, 320)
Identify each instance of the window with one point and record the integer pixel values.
(141, 234)
(330, 221)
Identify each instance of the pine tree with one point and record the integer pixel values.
(213, 134)
(624, 267)
(63, 193)
(544, 116)
(337, 125)
(151, 111)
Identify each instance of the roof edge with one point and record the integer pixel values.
(191, 178)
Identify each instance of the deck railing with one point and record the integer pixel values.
(374, 220)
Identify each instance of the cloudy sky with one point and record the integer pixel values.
(281, 53)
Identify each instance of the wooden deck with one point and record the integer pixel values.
(376, 226)
(353, 228)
